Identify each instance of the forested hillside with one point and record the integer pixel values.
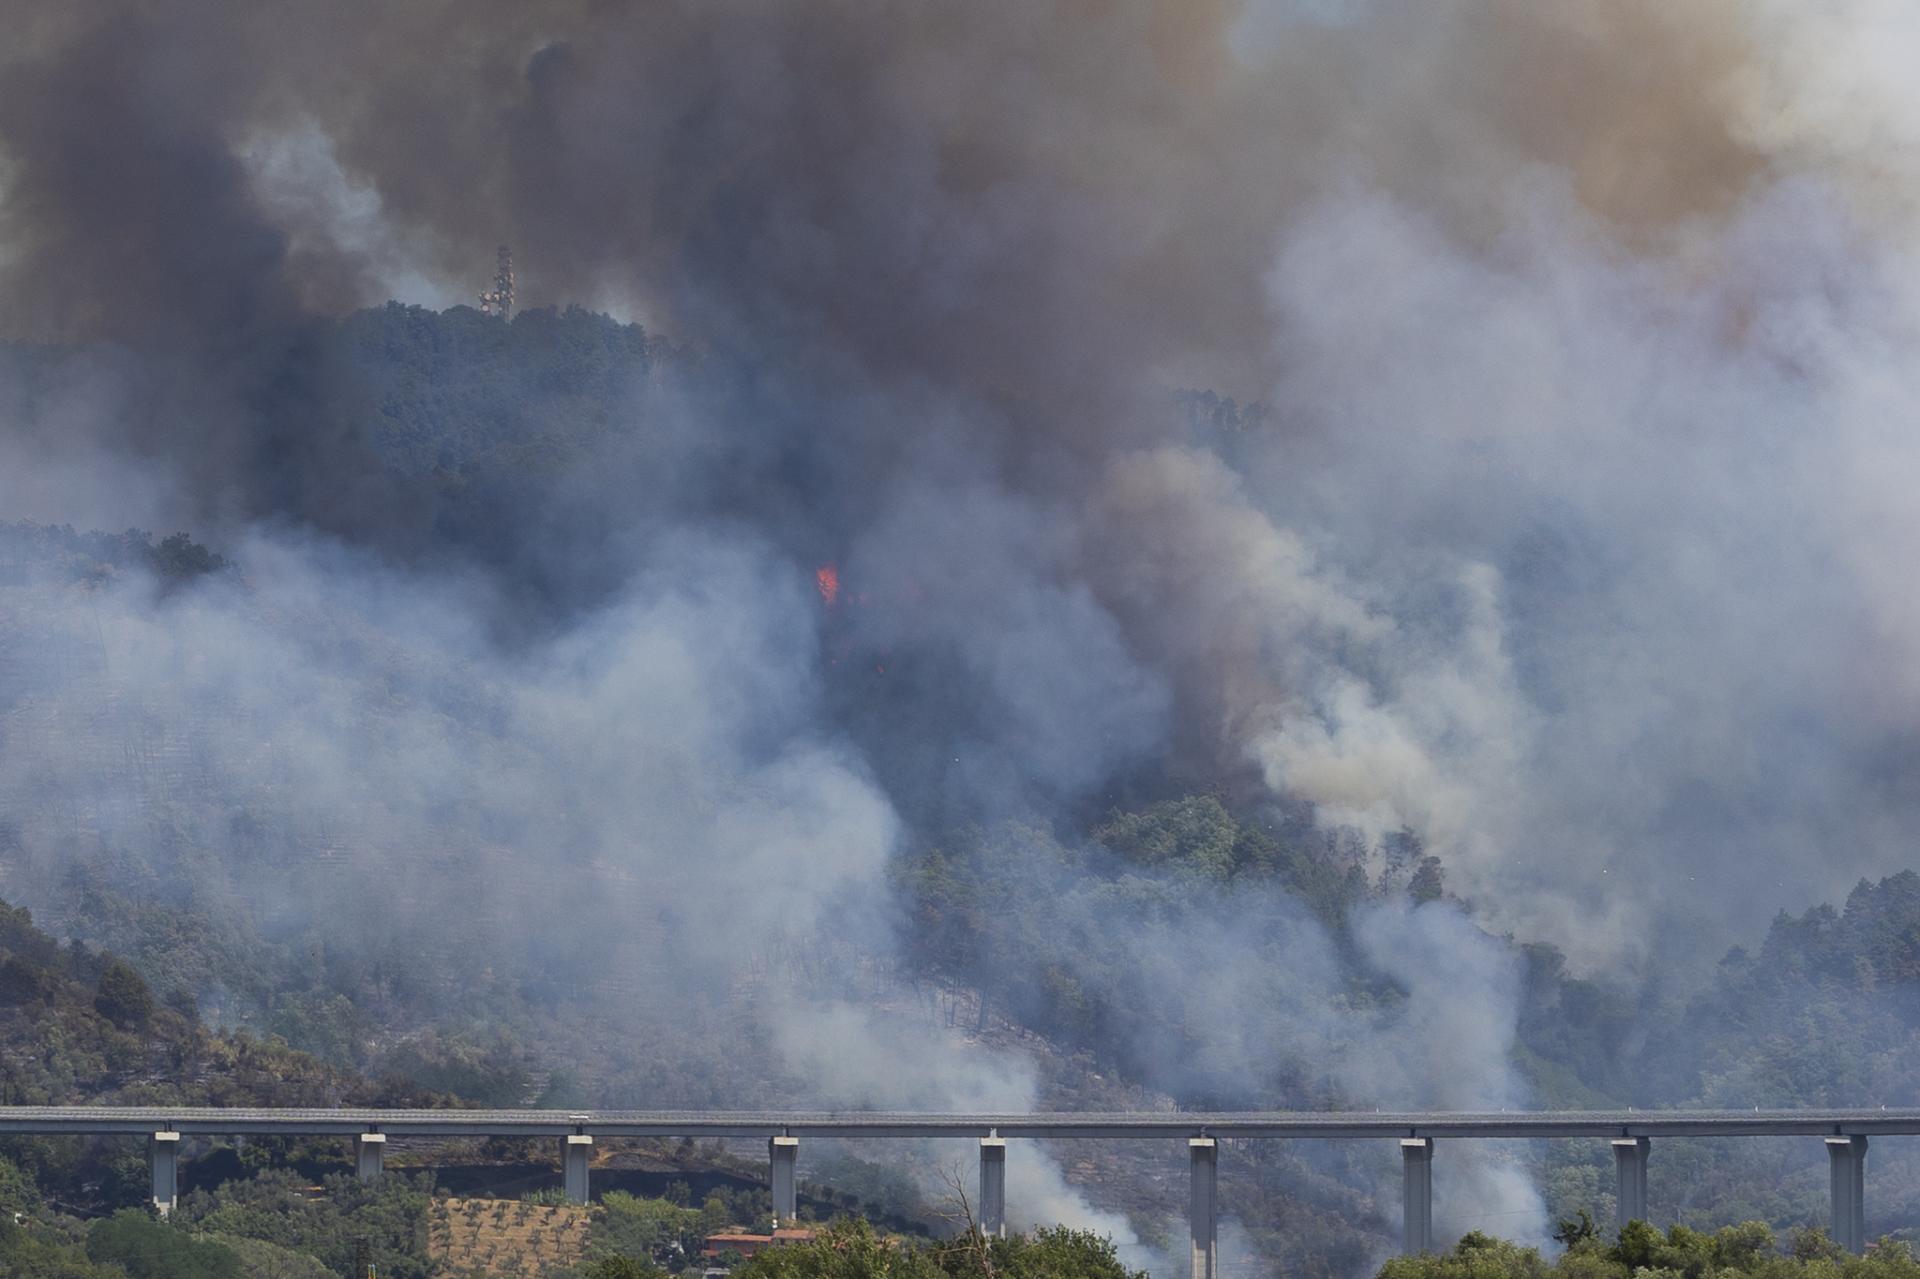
(77, 1025)
(368, 835)
(81, 1026)
(965, 557)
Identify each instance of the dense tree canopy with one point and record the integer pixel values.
(851, 1250)
(1647, 1253)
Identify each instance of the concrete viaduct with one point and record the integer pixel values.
(1631, 1132)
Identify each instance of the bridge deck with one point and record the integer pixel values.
(243, 1121)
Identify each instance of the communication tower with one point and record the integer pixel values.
(499, 299)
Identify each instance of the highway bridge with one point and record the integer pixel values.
(1632, 1132)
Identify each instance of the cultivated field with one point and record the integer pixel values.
(475, 1237)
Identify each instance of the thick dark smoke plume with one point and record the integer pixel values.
(1574, 536)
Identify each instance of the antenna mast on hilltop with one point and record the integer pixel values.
(499, 300)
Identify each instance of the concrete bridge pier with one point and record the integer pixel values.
(993, 1187)
(577, 1153)
(370, 1155)
(1203, 1228)
(1630, 1180)
(1416, 1201)
(163, 1156)
(783, 1153)
(1847, 1164)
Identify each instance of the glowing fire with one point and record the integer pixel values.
(827, 579)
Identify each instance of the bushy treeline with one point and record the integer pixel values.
(441, 436)
(276, 1227)
(1824, 1011)
(81, 1026)
(852, 1250)
(1644, 1252)
(458, 392)
(29, 550)
(103, 1037)
(383, 1223)
(1080, 915)
(132, 1244)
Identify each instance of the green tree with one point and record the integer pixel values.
(26, 1254)
(262, 1260)
(25, 983)
(714, 1216)
(1574, 1231)
(621, 1268)
(179, 557)
(1428, 882)
(844, 1250)
(1644, 1252)
(1196, 833)
(18, 1194)
(852, 1250)
(1476, 1256)
(625, 1225)
(122, 997)
(389, 1214)
(149, 1249)
(1046, 1253)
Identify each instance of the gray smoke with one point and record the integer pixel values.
(1575, 539)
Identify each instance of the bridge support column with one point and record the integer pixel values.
(782, 1155)
(163, 1156)
(993, 1187)
(1416, 1199)
(578, 1152)
(370, 1155)
(1203, 1156)
(1847, 1159)
(1630, 1180)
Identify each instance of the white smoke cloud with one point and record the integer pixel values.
(1578, 540)
(1636, 528)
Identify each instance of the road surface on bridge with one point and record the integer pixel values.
(255, 1121)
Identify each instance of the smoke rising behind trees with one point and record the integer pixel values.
(1572, 541)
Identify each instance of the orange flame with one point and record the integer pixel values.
(827, 579)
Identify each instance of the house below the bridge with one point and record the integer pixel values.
(747, 1244)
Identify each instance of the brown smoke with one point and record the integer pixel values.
(1035, 203)
(1039, 215)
